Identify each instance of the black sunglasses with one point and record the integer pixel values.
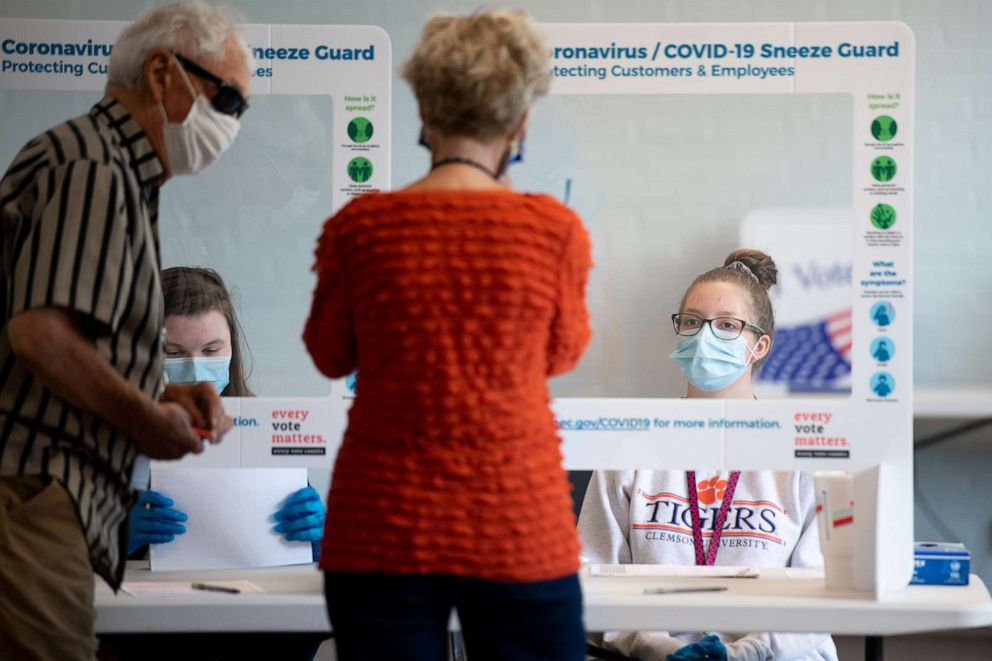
(228, 99)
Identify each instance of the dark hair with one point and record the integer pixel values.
(190, 292)
(757, 286)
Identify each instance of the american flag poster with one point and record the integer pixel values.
(811, 348)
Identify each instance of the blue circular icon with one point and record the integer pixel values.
(351, 383)
(883, 384)
(882, 349)
(883, 313)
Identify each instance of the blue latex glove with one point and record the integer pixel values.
(708, 649)
(300, 518)
(153, 521)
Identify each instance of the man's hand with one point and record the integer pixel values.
(168, 433)
(53, 345)
(203, 404)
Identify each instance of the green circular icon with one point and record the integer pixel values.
(884, 128)
(883, 168)
(883, 216)
(360, 130)
(360, 169)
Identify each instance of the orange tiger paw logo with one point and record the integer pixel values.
(711, 490)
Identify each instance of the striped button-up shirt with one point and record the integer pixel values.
(78, 208)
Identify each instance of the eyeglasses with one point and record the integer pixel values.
(725, 328)
(228, 99)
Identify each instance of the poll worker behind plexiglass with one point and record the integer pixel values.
(81, 316)
(723, 333)
(204, 345)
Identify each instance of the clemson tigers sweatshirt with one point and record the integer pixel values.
(642, 517)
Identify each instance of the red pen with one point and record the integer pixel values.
(203, 433)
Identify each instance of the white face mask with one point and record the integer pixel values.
(201, 138)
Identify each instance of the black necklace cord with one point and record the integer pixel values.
(459, 160)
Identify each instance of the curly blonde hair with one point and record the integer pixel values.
(475, 75)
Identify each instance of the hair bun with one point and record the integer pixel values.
(761, 265)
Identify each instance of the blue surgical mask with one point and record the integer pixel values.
(193, 370)
(710, 363)
(519, 156)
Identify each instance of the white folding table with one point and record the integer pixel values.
(779, 600)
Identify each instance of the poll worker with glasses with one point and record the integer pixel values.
(723, 333)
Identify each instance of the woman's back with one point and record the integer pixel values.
(460, 304)
(453, 295)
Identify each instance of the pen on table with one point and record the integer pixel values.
(711, 588)
(215, 588)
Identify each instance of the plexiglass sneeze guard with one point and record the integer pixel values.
(868, 432)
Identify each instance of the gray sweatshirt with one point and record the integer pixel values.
(642, 517)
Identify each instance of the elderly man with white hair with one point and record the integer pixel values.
(81, 358)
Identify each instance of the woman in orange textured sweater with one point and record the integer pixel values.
(455, 299)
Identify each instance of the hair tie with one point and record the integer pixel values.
(741, 266)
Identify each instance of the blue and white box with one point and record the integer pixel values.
(940, 563)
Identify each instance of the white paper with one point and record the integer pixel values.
(230, 521)
(160, 588)
(673, 571)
